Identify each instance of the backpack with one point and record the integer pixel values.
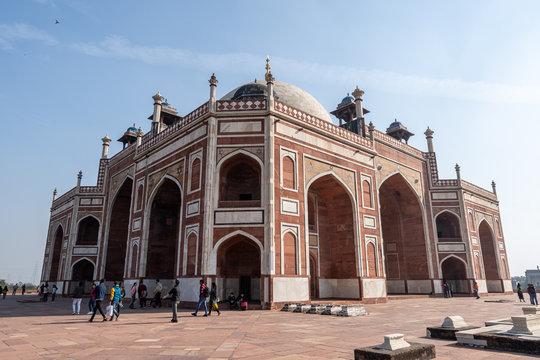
(205, 291)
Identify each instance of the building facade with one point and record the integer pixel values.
(261, 193)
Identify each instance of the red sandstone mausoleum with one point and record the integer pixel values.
(261, 193)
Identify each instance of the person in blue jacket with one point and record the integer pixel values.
(116, 300)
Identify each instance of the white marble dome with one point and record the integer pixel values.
(287, 93)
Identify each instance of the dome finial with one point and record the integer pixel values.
(267, 64)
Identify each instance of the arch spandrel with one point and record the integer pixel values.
(315, 167)
(258, 151)
(117, 180)
(176, 170)
(96, 214)
(386, 168)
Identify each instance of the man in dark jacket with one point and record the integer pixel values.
(143, 293)
(77, 298)
(100, 295)
(174, 294)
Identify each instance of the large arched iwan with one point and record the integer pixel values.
(489, 257)
(163, 231)
(118, 233)
(55, 258)
(404, 239)
(335, 232)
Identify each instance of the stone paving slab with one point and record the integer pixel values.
(49, 331)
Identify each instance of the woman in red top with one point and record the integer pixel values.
(92, 301)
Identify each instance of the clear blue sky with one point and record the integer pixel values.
(469, 70)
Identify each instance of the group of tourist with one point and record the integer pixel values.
(531, 290)
(4, 290)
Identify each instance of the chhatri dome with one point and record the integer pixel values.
(287, 93)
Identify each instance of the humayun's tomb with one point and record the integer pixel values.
(261, 193)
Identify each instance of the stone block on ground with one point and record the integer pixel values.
(317, 309)
(303, 308)
(331, 310)
(288, 307)
(531, 310)
(469, 337)
(396, 348)
(524, 325)
(448, 329)
(356, 310)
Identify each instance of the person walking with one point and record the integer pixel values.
(445, 289)
(213, 300)
(116, 300)
(15, 287)
(53, 292)
(174, 294)
(532, 294)
(133, 294)
(4, 292)
(41, 290)
(203, 294)
(77, 298)
(46, 292)
(100, 295)
(156, 300)
(143, 292)
(520, 293)
(475, 289)
(92, 300)
(23, 288)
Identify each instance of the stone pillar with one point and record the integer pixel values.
(54, 193)
(357, 93)
(458, 175)
(213, 84)
(139, 137)
(429, 137)
(105, 149)
(494, 187)
(371, 128)
(268, 196)
(156, 121)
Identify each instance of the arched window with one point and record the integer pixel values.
(371, 260)
(448, 227)
(195, 174)
(366, 194)
(87, 233)
(289, 253)
(289, 178)
(240, 182)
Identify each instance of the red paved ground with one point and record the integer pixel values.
(48, 330)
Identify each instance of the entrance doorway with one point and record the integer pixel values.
(239, 268)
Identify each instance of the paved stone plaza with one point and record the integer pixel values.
(48, 330)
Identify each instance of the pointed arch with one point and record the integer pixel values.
(490, 256)
(455, 273)
(88, 234)
(117, 234)
(338, 251)
(163, 223)
(56, 247)
(228, 186)
(448, 226)
(406, 246)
